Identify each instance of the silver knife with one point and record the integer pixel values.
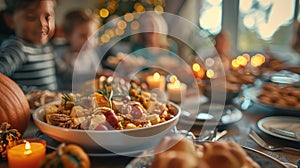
(285, 132)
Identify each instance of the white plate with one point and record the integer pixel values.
(230, 115)
(282, 122)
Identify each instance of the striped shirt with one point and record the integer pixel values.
(32, 67)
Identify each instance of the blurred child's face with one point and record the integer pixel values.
(36, 23)
(82, 34)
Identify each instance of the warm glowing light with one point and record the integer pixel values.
(210, 73)
(103, 13)
(257, 60)
(262, 57)
(119, 32)
(105, 38)
(122, 24)
(27, 148)
(235, 64)
(196, 67)
(242, 60)
(173, 79)
(159, 9)
(156, 81)
(128, 17)
(110, 32)
(198, 71)
(247, 56)
(134, 25)
(139, 7)
(156, 76)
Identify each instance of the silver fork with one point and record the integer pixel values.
(264, 145)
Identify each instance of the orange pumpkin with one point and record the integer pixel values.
(14, 107)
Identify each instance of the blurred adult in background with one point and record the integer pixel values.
(290, 56)
(79, 28)
(295, 43)
(153, 41)
(5, 30)
(224, 48)
(27, 57)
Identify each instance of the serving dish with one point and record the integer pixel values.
(287, 123)
(53, 145)
(116, 141)
(251, 94)
(264, 160)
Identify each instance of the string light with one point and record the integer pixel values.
(103, 13)
(130, 13)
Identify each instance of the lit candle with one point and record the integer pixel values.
(198, 71)
(156, 81)
(26, 154)
(176, 90)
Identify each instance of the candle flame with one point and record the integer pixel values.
(210, 73)
(173, 79)
(27, 148)
(156, 76)
(242, 60)
(196, 67)
(257, 60)
(235, 64)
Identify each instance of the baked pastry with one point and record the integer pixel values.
(178, 152)
(286, 96)
(226, 155)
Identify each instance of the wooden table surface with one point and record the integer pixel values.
(237, 132)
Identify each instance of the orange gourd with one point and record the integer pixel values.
(66, 156)
(14, 107)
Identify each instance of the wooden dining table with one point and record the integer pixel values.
(236, 132)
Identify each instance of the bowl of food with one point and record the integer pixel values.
(103, 121)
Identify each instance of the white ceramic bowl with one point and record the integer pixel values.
(117, 141)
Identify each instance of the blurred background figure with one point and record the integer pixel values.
(79, 28)
(288, 59)
(224, 48)
(153, 41)
(5, 14)
(27, 57)
(295, 43)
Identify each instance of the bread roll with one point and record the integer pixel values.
(178, 152)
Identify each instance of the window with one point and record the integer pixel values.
(254, 24)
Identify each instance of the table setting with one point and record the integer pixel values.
(115, 130)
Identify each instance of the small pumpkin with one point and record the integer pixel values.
(8, 137)
(66, 156)
(14, 106)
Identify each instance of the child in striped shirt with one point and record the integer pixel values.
(27, 57)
